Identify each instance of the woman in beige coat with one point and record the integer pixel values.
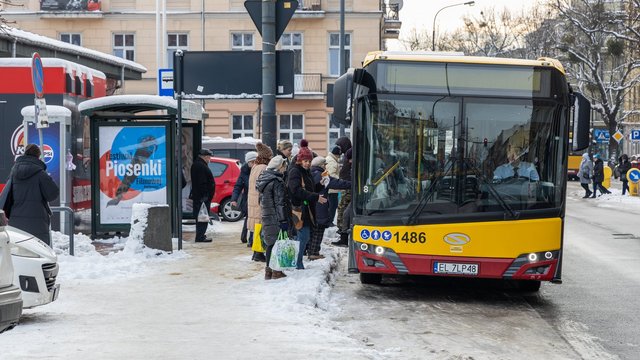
(254, 215)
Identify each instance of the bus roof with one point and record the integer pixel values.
(457, 58)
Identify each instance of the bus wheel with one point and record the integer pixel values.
(529, 285)
(372, 279)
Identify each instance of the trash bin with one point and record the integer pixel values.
(607, 177)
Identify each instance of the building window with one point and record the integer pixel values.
(71, 38)
(241, 41)
(124, 46)
(334, 133)
(293, 41)
(291, 128)
(175, 42)
(241, 126)
(334, 53)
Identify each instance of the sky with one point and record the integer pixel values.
(419, 14)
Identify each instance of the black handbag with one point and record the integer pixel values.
(6, 197)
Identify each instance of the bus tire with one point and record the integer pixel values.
(529, 285)
(370, 279)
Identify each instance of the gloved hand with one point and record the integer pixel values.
(284, 226)
(325, 181)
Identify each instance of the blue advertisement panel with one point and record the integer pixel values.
(133, 169)
(51, 152)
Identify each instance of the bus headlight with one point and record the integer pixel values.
(379, 250)
(548, 255)
(533, 257)
(364, 247)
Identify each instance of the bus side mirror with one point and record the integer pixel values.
(343, 98)
(581, 122)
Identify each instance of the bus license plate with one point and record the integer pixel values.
(455, 268)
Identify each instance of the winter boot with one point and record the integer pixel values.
(277, 275)
(344, 240)
(258, 256)
(268, 273)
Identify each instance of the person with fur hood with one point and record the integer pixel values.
(276, 209)
(304, 196)
(254, 214)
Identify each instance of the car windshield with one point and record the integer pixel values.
(445, 155)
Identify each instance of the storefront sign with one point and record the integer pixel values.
(70, 5)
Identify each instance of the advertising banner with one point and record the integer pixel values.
(133, 169)
(51, 152)
(187, 161)
(70, 5)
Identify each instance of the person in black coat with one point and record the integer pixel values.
(241, 190)
(304, 195)
(276, 208)
(32, 190)
(323, 220)
(598, 176)
(203, 187)
(624, 166)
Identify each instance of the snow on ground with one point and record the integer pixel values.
(614, 200)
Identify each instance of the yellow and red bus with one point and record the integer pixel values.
(459, 165)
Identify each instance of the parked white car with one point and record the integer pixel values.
(10, 295)
(36, 268)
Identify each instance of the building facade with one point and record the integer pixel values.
(133, 30)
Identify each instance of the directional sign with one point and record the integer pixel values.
(37, 75)
(618, 136)
(633, 175)
(635, 135)
(284, 12)
(601, 135)
(42, 117)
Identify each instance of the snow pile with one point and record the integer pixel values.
(613, 200)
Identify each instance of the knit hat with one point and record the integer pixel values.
(284, 145)
(250, 156)
(304, 153)
(348, 154)
(336, 150)
(276, 162)
(33, 150)
(264, 153)
(318, 161)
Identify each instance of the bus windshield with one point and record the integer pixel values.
(423, 155)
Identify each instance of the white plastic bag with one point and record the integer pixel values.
(284, 255)
(203, 214)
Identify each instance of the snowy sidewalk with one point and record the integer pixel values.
(208, 301)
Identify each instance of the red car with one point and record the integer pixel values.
(226, 172)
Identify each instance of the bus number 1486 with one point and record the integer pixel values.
(411, 237)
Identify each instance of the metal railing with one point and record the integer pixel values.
(69, 225)
(308, 83)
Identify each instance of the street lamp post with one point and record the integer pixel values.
(433, 36)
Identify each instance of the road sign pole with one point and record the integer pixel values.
(269, 128)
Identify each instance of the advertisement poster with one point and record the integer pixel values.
(70, 5)
(187, 161)
(133, 169)
(50, 147)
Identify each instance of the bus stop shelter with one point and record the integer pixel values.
(140, 147)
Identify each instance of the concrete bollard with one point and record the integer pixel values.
(151, 225)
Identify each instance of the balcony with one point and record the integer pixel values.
(309, 9)
(308, 85)
(391, 21)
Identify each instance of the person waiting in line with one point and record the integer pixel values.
(322, 178)
(333, 167)
(515, 168)
(276, 209)
(203, 187)
(32, 189)
(345, 199)
(304, 196)
(585, 173)
(241, 190)
(254, 212)
(623, 167)
(598, 176)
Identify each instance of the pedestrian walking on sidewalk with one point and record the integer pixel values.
(203, 187)
(241, 190)
(254, 213)
(32, 190)
(276, 208)
(598, 176)
(585, 173)
(624, 166)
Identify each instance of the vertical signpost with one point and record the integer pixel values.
(37, 78)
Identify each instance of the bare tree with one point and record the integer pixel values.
(490, 34)
(598, 43)
(417, 40)
(3, 5)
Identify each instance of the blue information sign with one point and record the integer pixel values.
(165, 82)
(633, 175)
(635, 135)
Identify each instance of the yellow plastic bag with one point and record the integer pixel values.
(257, 242)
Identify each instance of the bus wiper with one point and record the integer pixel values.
(427, 196)
(512, 213)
